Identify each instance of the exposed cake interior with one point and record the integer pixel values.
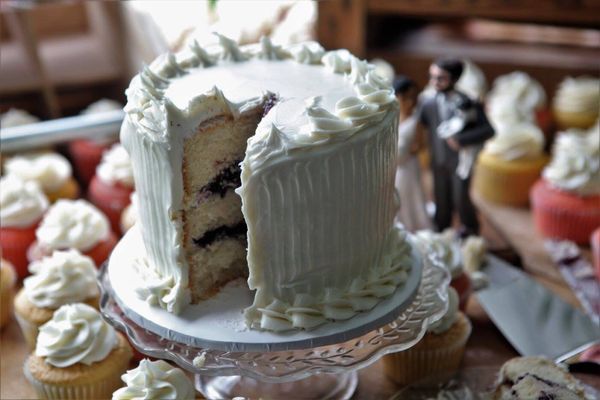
(213, 224)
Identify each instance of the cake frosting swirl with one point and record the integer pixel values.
(449, 318)
(75, 334)
(575, 164)
(155, 380)
(16, 117)
(115, 167)
(22, 203)
(72, 224)
(62, 278)
(580, 94)
(443, 247)
(49, 170)
(527, 93)
(516, 141)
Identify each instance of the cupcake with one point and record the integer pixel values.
(77, 356)
(448, 251)
(50, 170)
(536, 378)
(8, 278)
(130, 214)
(517, 97)
(110, 189)
(440, 350)
(155, 380)
(577, 102)
(87, 153)
(76, 225)
(22, 205)
(65, 277)
(472, 81)
(566, 200)
(510, 164)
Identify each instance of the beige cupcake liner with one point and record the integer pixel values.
(102, 389)
(414, 364)
(29, 329)
(6, 302)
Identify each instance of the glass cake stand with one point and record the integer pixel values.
(326, 372)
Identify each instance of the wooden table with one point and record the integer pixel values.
(486, 347)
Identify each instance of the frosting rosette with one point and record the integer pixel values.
(581, 94)
(115, 167)
(22, 203)
(49, 170)
(16, 117)
(155, 380)
(446, 322)
(64, 277)
(75, 334)
(575, 165)
(516, 142)
(527, 93)
(443, 247)
(72, 224)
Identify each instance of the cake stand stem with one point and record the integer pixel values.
(320, 386)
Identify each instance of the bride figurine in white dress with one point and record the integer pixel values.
(412, 214)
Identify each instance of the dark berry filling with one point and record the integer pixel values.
(270, 102)
(234, 231)
(228, 178)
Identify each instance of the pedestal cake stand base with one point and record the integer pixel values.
(229, 361)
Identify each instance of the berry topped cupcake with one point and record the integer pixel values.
(87, 153)
(110, 189)
(50, 170)
(74, 225)
(566, 201)
(77, 356)
(510, 163)
(22, 205)
(65, 277)
(155, 380)
(577, 102)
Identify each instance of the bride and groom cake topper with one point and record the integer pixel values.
(455, 128)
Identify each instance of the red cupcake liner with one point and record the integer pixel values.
(98, 253)
(14, 243)
(86, 155)
(464, 288)
(110, 199)
(564, 216)
(595, 245)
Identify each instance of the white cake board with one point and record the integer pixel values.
(218, 323)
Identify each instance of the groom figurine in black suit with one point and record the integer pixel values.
(451, 191)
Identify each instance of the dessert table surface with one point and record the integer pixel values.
(504, 228)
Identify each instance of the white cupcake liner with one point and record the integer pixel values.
(102, 389)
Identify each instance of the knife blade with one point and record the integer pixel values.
(532, 318)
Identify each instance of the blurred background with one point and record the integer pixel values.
(57, 57)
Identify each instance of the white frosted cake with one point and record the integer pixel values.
(310, 219)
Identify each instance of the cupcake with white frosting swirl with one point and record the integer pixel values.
(51, 171)
(155, 380)
(74, 225)
(65, 277)
(566, 201)
(78, 356)
(510, 163)
(440, 350)
(22, 204)
(577, 102)
(111, 187)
